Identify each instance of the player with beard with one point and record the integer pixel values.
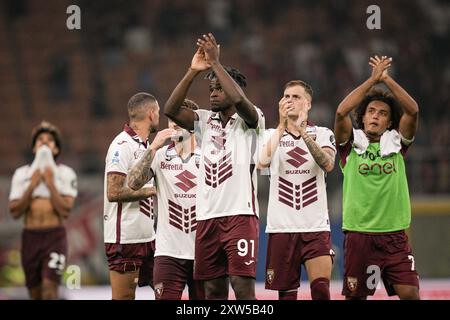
(129, 215)
(175, 169)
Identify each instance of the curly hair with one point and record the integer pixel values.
(240, 79)
(377, 94)
(189, 104)
(47, 127)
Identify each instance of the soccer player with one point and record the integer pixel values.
(43, 193)
(376, 205)
(226, 246)
(175, 169)
(129, 215)
(299, 155)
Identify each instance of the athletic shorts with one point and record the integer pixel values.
(44, 254)
(367, 257)
(286, 252)
(131, 257)
(226, 246)
(170, 277)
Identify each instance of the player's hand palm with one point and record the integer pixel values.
(283, 110)
(161, 137)
(199, 62)
(48, 175)
(379, 67)
(210, 47)
(35, 178)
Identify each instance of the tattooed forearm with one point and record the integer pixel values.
(141, 173)
(118, 191)
(324, 159)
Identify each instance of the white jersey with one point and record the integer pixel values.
(64, 177)
(227, 177)
(176, 184)
(297, 196)
(126, 222)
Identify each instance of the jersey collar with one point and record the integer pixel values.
(134, 135)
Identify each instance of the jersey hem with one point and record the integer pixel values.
(227, 214)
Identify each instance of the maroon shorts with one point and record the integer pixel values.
(226, 246)
(368, 255)
(43, 255)
(170, 277)
(131, 257)
(286, 252)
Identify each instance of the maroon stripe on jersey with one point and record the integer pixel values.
(116, 172)
(289, 204)
(175, 218)
(175, 225)
(289, 184)
(309, 195)
(285, 195)
(193, 228)
(309, 202)
(226, 177)
(225, 170)
(307, 182)
(146, 212)
(313, 186)
(144, 205)
(344, 151)
(225, 158)
(223, 165)
(171, 203)
(118, 220)
(283, 187)
(175, 212)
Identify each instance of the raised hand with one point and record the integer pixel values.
(302, 119)
(48, 176)
(35, 179)
(210, 47)
(284, 107)
(161, 137)
(379, 67)
(199, 62)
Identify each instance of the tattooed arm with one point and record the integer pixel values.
(324, 157)
(117, 191)
(141, 172)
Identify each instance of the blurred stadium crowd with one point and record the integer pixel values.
(82, 79)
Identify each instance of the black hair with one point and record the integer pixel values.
(47, 127)
(237, 76)
(189, 104)
(377, 94)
